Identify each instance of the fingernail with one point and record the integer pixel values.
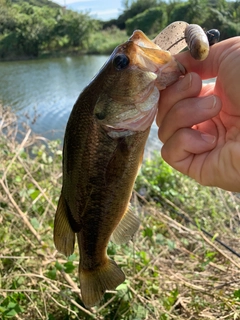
(207, 103)
(185, 83)
(208, 138)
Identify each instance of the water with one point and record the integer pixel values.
(46, 89)
(43, 92)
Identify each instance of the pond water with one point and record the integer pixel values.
(43, 92)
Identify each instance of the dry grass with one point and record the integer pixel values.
(173, 270)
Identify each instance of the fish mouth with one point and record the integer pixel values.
(137, 108)
(146, 109)
(128, 127)
(149, 56)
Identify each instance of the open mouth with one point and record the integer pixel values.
(141, 117)
(133, 125)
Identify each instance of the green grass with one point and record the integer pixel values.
(173, 271)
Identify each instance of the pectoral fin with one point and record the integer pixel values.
(64, 237)
(126, 228)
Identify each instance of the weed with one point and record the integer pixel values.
(173, 270)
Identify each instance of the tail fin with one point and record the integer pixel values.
(95, 282)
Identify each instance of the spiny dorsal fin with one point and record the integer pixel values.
(64, 237)
(95, 282)
(126, 228)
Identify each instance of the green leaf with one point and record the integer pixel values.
(59, 266)
(52, 274)
(35, 223)
(164, 316)
(72, 257)
(144, 256)
(69, 267)
(171, 244)
(2, 309)
(34, 194)
(12, 309)
(18, 179)
(147, 232)
(236, 294)
(11, 313)
(123, 286)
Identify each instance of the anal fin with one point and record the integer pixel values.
(64, 237)
(126, 228)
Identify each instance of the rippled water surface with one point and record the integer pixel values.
(46, 90)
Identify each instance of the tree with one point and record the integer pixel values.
(234, 9)
(151, 21)
(7, 17)
(219, 21)
(77, 27)
(34, 27)
(132, 8)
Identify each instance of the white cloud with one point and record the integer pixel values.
(66, 2)
(105, 12)
(105, 9)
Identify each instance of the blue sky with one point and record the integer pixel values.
(104, 10)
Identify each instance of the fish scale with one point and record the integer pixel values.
(101, 158)
(103, 149)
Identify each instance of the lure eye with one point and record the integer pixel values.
(121, 61)
(213, 36)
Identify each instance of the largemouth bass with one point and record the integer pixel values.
(103, 149)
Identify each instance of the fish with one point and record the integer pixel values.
(103, 149)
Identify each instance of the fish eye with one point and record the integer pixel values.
(121, 61)
(213, 36)
(100, 115)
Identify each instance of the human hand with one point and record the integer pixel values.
(200, 125)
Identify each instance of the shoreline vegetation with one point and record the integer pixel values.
(175, 266)
(173, 269)
(41, 28)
